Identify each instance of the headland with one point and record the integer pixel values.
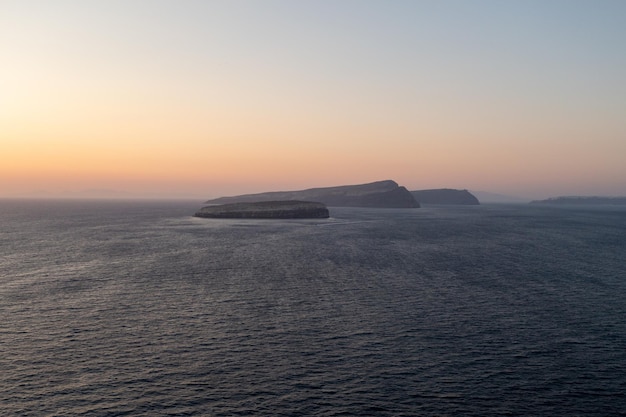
(380, 194)
(445, 196)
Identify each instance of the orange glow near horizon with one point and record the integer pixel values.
(163, 107)
(233, 158)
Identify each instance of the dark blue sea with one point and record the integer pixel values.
(135, 308)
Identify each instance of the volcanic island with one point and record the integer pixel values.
(287, 209)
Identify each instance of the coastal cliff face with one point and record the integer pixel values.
(266, 210)
(445, 196)
(381, 194)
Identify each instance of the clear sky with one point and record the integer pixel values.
(207, 98)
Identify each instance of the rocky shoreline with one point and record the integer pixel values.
(266, 210)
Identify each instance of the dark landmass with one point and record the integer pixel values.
(266, 210)
(445, 196)
(582, 200)
(381, 194)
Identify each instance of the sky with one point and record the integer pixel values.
(207, 98)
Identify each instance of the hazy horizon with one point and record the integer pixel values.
(199, 99)
(105, 194)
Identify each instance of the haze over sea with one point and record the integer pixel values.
(112, 308)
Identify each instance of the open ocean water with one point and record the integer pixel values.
(114, 308)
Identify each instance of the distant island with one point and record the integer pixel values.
(380, 194)
(582, 200)
(266, 210)
(445, 196)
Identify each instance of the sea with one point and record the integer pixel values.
(136, 308)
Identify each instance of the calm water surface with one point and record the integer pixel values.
(111, 308)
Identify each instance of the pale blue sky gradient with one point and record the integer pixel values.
(520, 97)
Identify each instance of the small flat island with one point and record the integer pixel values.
(288, 209)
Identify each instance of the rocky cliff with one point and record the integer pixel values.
(382, 194)
(266, 210)
(445, 196)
